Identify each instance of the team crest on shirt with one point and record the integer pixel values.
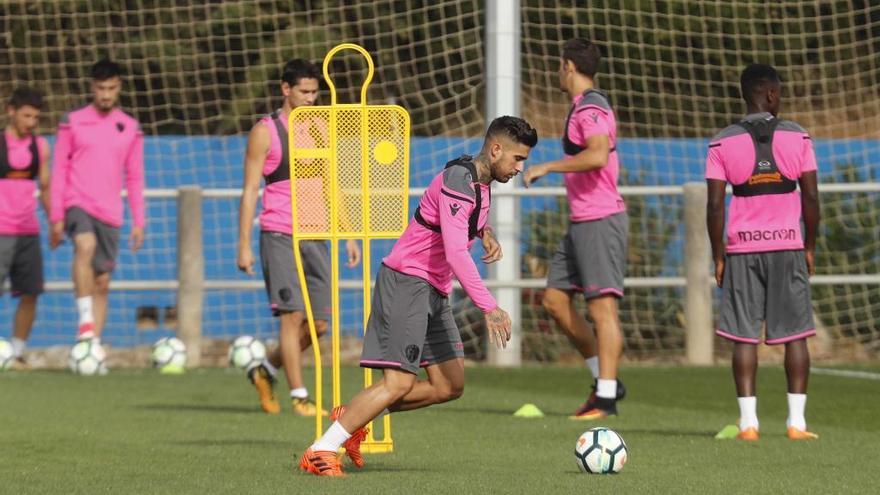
(595, 117)
(453, 208)
(120, 126)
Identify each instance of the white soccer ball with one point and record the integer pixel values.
(168, 351)
(600, 450)
(246, 352)
(7, 354)
(87, 358)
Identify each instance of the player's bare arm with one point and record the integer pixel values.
(491, 246)
(810, 210)
(257, 148)
(715, 223)
(592, 158)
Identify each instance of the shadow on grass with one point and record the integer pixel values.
(492, 410)
(233, 442)
(671, 432)
(198, 407)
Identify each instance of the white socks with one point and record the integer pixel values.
(332, 440)
(593, 364)
(17, 346)
(796, 405)
(84, 305)
(299, 393)
(606, 389)
(748, 412)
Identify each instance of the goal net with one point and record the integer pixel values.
(199, 75)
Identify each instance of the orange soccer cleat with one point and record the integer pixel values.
(796, 434)
(321, 463)
(264, 383)
(750, 434)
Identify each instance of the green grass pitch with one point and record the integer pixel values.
(202, 432)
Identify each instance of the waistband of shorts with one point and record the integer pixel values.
(766, 252)
(592, 220)
(420, 279)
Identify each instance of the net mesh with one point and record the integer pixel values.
(201, 73)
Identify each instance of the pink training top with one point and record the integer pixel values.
(92, 152)
(277, 214)
(18, 200)
(435, 257)
(770, 222)
(593, 195)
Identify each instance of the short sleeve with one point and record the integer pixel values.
(715, 163)
(588, 122)
(808, 162)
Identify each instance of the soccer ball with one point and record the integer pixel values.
(600, 450)
(168, 351)
(6, 354)
(246, 352)
(87, 358)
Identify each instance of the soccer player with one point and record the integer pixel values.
(99, 148)
(267, 158)
(411, 324)
(764, 274)
(591, 258)
(23, 166)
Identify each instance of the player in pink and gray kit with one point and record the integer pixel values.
(23, 167)
(765, 272)
(99, 149)
(411, 324)
(267, 160)
(591, 258)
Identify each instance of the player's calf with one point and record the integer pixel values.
(353, 444)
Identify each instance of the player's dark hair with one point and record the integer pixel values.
(24, 95)
(585, 55)
(297, 69)
(105, 69)
(514, 128)
(756, 79)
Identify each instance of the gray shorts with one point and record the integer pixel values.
(411, 325)
(282, 281)
(771, 287)
(21, 258)
(77, 221)
(591, 258)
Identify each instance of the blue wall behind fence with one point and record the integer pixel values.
(216, 162)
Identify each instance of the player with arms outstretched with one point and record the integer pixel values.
(99, 148)
(23, 166)
(591, 258)
(411, 325)
(267, 160)
(765, 272)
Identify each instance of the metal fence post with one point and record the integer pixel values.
(698, 292)
(503, 98)
(190, 272)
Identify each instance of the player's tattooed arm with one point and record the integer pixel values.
(498, 327)
(491, 246)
